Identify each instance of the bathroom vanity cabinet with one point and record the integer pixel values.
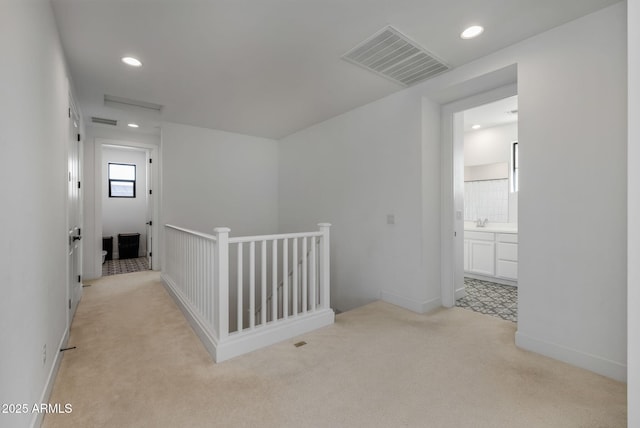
(491, 254)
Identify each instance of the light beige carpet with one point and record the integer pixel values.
(138, 364)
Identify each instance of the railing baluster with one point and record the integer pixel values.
(312, 274)
(263, 283)
(304, 275)
(239, 291)
(274, 280)
(294, 282)
(252, 284)
(285, 278)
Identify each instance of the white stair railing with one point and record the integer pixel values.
(281, 292)
(196, 273)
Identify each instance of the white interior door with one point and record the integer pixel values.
(74, 214)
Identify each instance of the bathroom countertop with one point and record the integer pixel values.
(492, 227)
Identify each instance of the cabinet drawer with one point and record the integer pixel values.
(479, 236)
(507, 251)
(506, 269)
(507, 237)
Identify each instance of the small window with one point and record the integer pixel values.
(515, 180)
(122, 180)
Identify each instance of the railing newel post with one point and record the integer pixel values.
(325, 265)
(221, 282)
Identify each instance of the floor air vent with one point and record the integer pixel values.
(104, 121)
(394, 56)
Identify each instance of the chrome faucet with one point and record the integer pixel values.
(482, 223)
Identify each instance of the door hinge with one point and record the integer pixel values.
(79, 278)
(79, 231)
(151, 192)
(150, 254)
(78, 184)
(150, 160)
(150, 223)
(69, 111)
(69, 303)
(78, 137)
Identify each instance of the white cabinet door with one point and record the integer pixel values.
(508, 269)
(466, 255)
(483, 257)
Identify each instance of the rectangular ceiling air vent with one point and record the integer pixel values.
(104, 121)
(127, 103)
(393, 55)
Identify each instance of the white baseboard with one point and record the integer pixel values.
(410, 304)
(249, 341)
(460, 293)
(38, 417)
(594, 363)
(238, 344)
(197, 324)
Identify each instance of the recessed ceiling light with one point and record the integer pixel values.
(133, 62)
(475, 126)
(471, 32)
(133, 125)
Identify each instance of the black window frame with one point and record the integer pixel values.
(118, 180)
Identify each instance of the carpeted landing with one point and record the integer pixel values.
(138, 364)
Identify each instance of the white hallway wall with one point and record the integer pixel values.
(354, 169)
(633, 49)
(125, 215)
(92, 204)
(214, 178)
(34, 138)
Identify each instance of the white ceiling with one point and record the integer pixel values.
(492, 114)
(270, 67)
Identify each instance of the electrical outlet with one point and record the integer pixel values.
(44, 354)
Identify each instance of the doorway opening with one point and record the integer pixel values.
(490, 201)
(474, 253)
(127, 208)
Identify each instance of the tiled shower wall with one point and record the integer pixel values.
(487, 199)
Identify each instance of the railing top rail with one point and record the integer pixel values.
(192, 232)
(238, 239)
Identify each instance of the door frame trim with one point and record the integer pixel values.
(153, 153)
(452, 179)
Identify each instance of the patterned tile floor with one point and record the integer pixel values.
(116, 267)
(490, 298)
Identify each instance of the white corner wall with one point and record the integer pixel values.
(356, 168)
(125, 215)
(353, 171)
(572, 200)
(33, 260)
(633, 180)
(214, 178)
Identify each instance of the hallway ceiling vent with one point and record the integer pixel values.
(393, 55)
(104, 121)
